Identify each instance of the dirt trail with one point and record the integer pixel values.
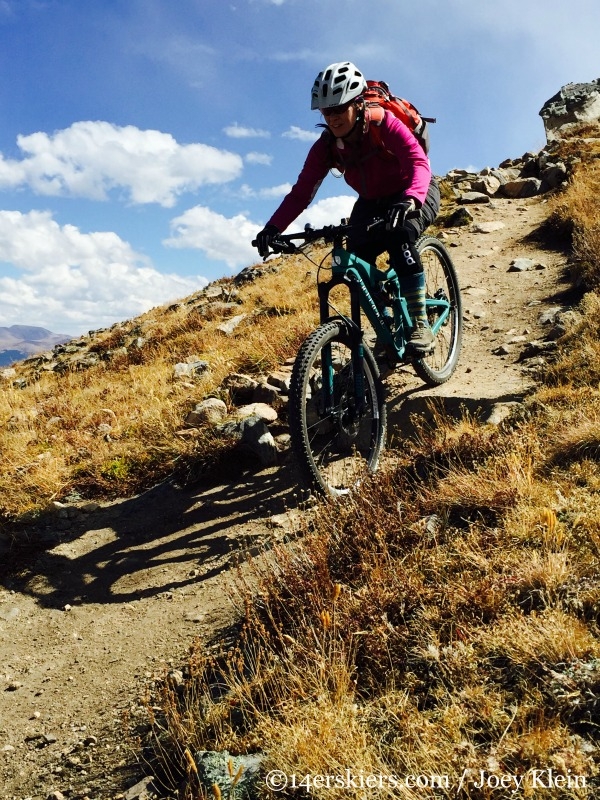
(101, 604)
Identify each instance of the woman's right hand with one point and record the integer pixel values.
(264, 239)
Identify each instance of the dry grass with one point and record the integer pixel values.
(444, 621)
(575, 209)
(113, 429)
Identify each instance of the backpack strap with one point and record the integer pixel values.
(373, 119)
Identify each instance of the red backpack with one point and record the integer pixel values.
(378, 99)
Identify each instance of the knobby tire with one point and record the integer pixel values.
(337, 448)
(440, 280)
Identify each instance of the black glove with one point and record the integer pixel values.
(264, 239)
(397, 214)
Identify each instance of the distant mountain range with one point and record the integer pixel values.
(22, 341)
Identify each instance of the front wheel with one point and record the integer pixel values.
(337, 417)
(441, 283)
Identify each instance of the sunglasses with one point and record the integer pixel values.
(328, 112)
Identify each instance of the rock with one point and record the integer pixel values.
(550, 316)
(189, 369)
(280, 380)
(574, 104)
(521, 265)
(258, 439)
(265, 393)
(488, 227)
(500, 411)
(214, 292)
(260, 410)
(228, 328)
(248, 275)
(458, 218)
(141, 790)
(241, 387)
(470, 198)
(537, 348)
(522, 187)
(9, 614)
(554, 175)
(175, 679)
(556, 332)
(210, 411)
(487, 184)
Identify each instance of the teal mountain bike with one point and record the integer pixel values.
(337, 411)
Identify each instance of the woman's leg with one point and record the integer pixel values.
(407, 263)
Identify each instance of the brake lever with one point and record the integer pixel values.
(281, 246)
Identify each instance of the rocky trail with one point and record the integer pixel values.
(100, 602)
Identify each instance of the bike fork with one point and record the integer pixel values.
(357, 350)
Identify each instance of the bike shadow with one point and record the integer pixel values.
(162, 540)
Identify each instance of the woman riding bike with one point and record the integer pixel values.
(393, 180)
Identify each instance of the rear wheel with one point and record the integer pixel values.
(337, 442)
(441, 282)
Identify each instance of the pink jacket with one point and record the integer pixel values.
(368, 171)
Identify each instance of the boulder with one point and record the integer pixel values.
(487, 184)
(260, 410)
(210, 411)
(522, 187)
(470, 198)
(256, 436)
(574, 104)
(241, 387)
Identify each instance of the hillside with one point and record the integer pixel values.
(490, 546)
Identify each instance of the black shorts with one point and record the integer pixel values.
(369, 246)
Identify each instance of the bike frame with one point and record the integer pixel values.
(361, 277)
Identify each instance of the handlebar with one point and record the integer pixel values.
(332, 234)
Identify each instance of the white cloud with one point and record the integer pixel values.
(328, 211)
(267, 193)
(72, 281)
(228, 239)
(301, 135)
(220, 238)
(236, 131)
(259, 158)
(275, 191)
(90, 159)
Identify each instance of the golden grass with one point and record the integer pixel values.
(445, 620)
(575, 209)
(441, 622)
(113, 429)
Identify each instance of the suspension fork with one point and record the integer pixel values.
(356, 346)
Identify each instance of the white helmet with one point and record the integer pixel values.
(336, 85)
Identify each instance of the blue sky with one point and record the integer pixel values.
(143, 143)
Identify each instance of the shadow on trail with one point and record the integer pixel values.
(162, 540)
